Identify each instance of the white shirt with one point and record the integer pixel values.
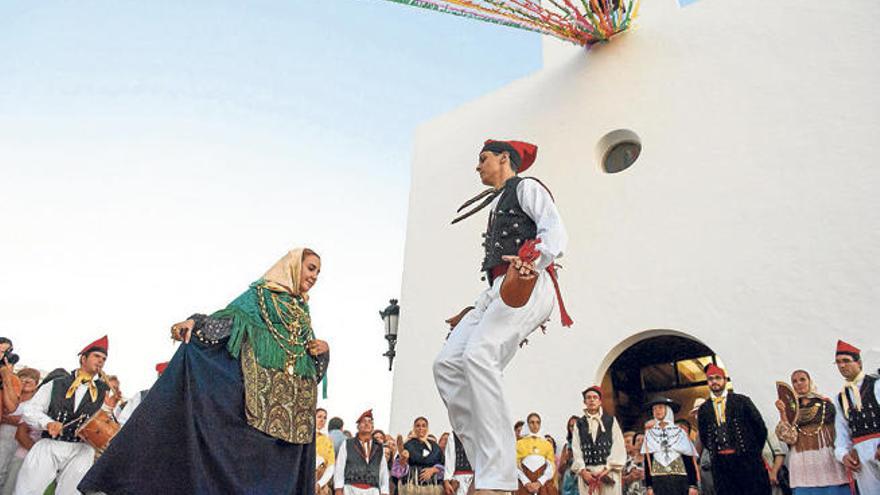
(539, 206)
(843, 437)
(34, 412)
(132, 404)
(339, 470)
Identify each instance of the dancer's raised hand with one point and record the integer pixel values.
(183, 331)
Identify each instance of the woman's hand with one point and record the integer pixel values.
(182, 331)
(780, 406)
(427, 473)
(693, 491)
(317, 347)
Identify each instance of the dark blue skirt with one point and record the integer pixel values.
(190, 436)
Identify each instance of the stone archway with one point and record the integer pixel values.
(652, 363)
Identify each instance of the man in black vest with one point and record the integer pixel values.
(857, 422)
(734, 433)
(360, 463)
(485, 337)
(597, 447)
(59, 409)
(459, 475)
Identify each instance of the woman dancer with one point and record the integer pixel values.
(234, 411)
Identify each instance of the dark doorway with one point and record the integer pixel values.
(667, 365)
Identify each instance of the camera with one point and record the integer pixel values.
(8, 355)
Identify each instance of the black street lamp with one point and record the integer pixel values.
(390, 316)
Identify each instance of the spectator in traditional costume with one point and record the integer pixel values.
(733, 431)
(325, 455)
(811, 463)
(127, 409)
(459, 474)
(234, 411)
(360, 466)
(598, 448)
(484, 338)
(670, 457)
(24, 436)
(421, 459)
(857, 421)
(536, 460)
(57, 411)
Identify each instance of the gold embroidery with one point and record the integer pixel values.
(279, 404)
(675, 468)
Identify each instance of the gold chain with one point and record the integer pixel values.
(821, 424)
(293, 329)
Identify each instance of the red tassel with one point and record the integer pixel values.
(528, 252)
(566, 319)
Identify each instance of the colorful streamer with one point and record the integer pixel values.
(582, 22)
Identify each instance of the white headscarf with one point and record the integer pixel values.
(668, 442)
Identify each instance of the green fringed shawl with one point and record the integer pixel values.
(249, 323)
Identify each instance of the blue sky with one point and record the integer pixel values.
(158, 156)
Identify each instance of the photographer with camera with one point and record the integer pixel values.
(10, 385)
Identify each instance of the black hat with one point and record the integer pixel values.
(675, 406)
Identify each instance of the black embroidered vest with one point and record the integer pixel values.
(595, 453)
(66, 412)
(461, 461)
(509, 227)
(357, 469)
(867, 421)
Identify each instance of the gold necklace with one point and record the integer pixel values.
(284, 343)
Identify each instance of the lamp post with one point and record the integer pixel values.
(390, 316)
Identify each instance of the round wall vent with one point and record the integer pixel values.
(618, 150)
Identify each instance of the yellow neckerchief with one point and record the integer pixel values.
(720, 404)
(534, 444)
(82, 378)
(856, 394)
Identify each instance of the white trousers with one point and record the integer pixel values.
(353, 490)
(464, 483)
(51, 459)
(468, 374)
(868, 478)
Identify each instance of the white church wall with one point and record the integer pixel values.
(749, 222)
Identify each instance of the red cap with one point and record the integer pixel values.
(160, 368)
(714, 369)
(100, 345)
(844, 348)
(594, 388)
(366, 414)
(522, 154)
